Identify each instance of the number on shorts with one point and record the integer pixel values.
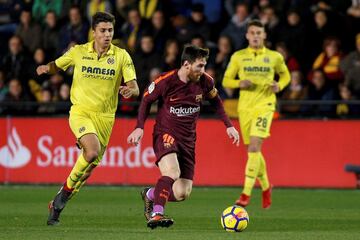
(261, 122)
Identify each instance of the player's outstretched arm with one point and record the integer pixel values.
(130, 90)
(50, 68)
(136, 136)
(233, 134)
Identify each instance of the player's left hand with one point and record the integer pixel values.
(135, 136)
(125, 91)
(233, 134)
(275, 88)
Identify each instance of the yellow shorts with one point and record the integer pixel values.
(83, 122)
(255, 123)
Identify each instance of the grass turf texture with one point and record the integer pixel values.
(117, 213)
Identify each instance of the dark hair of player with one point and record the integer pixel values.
(191, 53)
(102, 17)
(255, 23)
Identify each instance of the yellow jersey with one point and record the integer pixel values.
(259, 67)
(96, 81)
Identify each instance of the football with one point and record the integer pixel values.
(234, 219)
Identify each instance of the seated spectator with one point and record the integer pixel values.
(293, 34)
(196, 25)
(39, 58)
(272, 25)
(161, 30)
(145, 59)
(29, 31)
(350, 66)
(320, 89)
(63, 101)
(344, 109)
(329, 61)
(64, 93)
(294, 91)
(50, 35)
(171, 58)
(291, 62)
(221, 60)
(46, 105)
(121, 12)
(54, 83)
(236, 28)
(75, 31)
(17, 99)
(132, 30)
(15, 60)
(213, 11)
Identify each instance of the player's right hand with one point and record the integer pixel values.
(245, 84)
(135, 136)
(42, 69)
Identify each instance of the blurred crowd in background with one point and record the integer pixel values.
(320, 42)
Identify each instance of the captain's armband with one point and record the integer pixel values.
(213, 92)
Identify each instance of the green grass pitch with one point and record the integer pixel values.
(116, 213)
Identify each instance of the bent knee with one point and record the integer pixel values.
(182, 194)
(91, 156)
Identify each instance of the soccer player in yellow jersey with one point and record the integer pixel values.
(252, 70)
(99, 68)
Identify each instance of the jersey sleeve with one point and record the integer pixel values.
(127, 68)
(210, 90)
(283, 71)
(212, 95)
(231, 73)
(66, 60)
(154, 92)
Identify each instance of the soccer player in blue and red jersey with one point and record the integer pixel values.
(179, 94)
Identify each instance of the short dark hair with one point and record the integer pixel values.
(191, 53)
(102, 17)
(256, 23)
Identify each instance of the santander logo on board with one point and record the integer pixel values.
(48, 154)
(14, 154)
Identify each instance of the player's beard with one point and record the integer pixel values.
(194, 77)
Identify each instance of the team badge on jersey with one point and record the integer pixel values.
(266, 60)
(198, 98)
(82, 129)
(151, 87)
(110, 60)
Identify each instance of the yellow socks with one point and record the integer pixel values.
(251, 171)
(77, 172)
(262, 176)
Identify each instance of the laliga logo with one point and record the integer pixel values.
(14, 155)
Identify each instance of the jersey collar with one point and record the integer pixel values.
(256, 51)
(92, 50)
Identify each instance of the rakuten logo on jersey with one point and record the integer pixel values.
(14, 154)
(180, 111)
